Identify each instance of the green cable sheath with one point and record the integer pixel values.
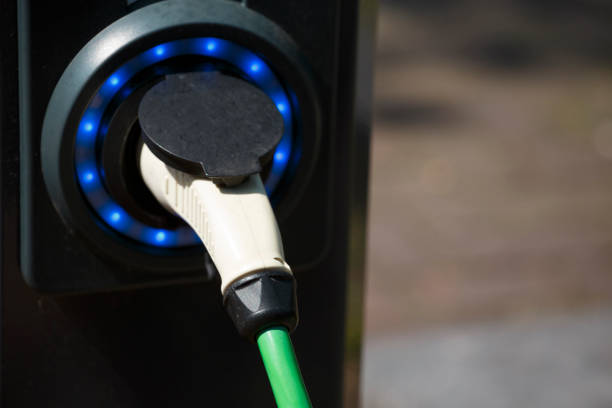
(282, 368)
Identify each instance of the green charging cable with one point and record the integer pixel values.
(282, 368)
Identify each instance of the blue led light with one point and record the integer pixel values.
(115, 216)
(279, 156)
(92, 131)
(165, 238)
(88, 177)
(160, 236)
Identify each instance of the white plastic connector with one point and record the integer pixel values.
(236, 224)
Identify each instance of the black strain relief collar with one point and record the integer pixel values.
(260, 300)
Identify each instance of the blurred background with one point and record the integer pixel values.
(490, 229)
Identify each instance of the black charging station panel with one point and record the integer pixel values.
(88, 253)
(94, 318)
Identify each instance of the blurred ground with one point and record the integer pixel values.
(561, 362)
(491, 183)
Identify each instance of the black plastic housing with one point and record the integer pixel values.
(101, 260)
(210, 125)
(263, 299)
(173, 344)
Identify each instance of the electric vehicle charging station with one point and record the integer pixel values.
(108, 299)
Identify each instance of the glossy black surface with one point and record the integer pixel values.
(109, 260)
(173, 345)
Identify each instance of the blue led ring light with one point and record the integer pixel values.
(90, 132)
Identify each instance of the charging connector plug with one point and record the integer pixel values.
(206, 137)
(238, 228)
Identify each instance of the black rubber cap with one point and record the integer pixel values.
(261, 300)
(210, 124)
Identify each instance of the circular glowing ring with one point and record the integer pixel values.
(160, 24)
(90, 132)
